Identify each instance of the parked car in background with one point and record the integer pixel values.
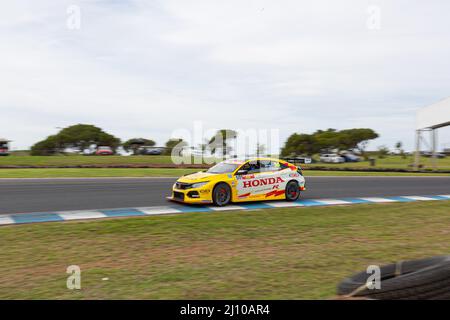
(430, 154)
(150, 151)
(104, 151)
(331, 158)
(302, 159)
(88, 152)
(197, 152)
(4, 147)
(350, 157)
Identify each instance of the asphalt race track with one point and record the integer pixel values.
(41, 195)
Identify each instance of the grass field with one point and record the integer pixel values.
(300, 253)
(161, 172)
(81, 160)
(392, 162)
(389, 163)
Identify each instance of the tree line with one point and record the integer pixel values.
(322, 140)
(82, 136)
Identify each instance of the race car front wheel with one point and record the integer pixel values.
(221, 194)
(292, 191)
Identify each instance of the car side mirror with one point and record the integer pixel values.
(240, 172)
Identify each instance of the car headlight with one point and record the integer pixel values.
(199, 184)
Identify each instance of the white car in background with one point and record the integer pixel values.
(331, 158)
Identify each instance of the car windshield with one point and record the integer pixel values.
(223, 167)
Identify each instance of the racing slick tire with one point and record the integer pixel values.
(422, 279)
(292, 191)
(221, 195)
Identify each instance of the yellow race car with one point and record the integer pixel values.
(241, 180)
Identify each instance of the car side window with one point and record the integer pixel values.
(244, 167)
(249, 167)
(283, 166)
(276, 166)
(268, 165)
(253, 167)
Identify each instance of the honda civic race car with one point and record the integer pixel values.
(241, 180)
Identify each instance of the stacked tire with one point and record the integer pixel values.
(424, 279)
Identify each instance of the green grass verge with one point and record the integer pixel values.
(93, 172)
(390, 162)
(161, 172)
(295, 253)
(74, 160)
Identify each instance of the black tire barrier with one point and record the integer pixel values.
(424, 279)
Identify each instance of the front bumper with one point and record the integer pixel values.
(193, 196)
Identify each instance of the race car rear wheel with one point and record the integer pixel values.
(292, 191)
(221, 194)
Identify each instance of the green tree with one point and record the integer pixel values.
(83, 135)
(79, 136)
(46, 147)
(221, 140)
(175, 145)
(328, 139)
(401, 152)
(383, 151)
(357, 138)
(135, 143)
(309, 144)
(300, 144)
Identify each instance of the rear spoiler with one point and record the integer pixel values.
(297, 160)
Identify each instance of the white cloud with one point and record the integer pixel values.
(139, 68)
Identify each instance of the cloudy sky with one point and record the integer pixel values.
(147, 68)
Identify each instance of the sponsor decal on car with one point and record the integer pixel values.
(262, 182)
(244, 195)
(274, 193)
